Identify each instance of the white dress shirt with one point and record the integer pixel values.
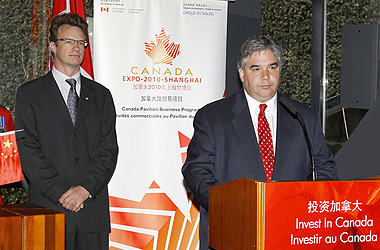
(270, 114)
(63, 86)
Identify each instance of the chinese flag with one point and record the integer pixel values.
(10, 166)
(76, 6)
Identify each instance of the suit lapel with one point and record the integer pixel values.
(285, 135)
(85, 100)
(55, 96)
(245, 131)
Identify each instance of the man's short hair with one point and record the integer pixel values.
(71, 19)
(258, 43)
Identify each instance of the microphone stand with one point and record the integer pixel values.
(289, 106)
(314, 172)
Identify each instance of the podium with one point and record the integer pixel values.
(31, 227)
(249, 214)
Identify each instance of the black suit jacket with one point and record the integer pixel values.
(224, 148)
(55, 155)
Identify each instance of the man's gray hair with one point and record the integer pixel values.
(258, 43)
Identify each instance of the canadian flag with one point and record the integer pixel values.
(10, 166)
(76, 6)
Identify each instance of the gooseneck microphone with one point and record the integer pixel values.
(294, 112)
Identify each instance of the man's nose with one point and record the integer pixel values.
(265, 74)
(76, 46)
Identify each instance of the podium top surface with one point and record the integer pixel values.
(25, 210)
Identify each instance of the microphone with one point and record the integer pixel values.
(294, 112)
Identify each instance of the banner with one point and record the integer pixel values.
(162, 61)
(76, 6)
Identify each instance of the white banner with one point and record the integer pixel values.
(162, 61)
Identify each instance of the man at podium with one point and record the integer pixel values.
(256, 133)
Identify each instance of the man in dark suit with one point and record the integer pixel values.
(68, 146)
(230, 141)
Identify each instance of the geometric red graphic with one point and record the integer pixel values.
(153, 223)
(154, 185)
(183, 140)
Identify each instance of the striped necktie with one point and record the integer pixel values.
(72, 99)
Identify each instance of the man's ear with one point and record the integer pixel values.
(241, 74)
(53, 46)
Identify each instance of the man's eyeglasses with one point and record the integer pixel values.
(71, 42)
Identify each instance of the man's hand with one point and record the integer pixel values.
(73, 198)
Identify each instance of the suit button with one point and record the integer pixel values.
(76, 160)
(76, 135)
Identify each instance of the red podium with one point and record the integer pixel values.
(249, 214)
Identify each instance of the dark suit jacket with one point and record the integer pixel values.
(224, 148)
(55, 155)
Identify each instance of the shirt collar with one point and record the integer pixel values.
(254, 104)
(60, 77)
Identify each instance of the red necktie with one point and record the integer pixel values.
(265, 143)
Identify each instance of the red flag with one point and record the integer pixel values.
(38, 62)
(76, 6)
(10, 166)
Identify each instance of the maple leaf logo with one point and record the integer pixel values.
(162, 52)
